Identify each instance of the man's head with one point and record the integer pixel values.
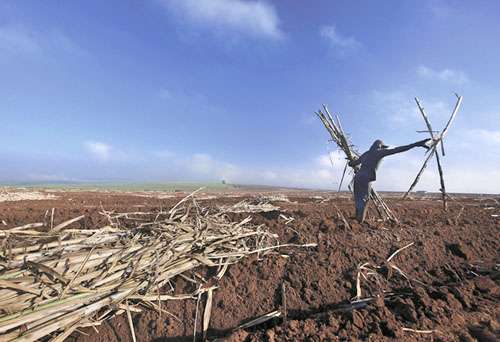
(378, 144)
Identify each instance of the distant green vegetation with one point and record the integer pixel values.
(125, 186)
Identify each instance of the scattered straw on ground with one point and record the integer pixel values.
(249, 207)
(274, 198)
(6, 196)
(53, 281)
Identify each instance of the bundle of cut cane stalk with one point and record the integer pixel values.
(338, 136)
(246, 206)
(55, 281)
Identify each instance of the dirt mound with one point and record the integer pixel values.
(448, 287)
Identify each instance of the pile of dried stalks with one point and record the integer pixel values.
(245, 206)
(53, 281)
(274, 198)
(374, 274)
(11, 196)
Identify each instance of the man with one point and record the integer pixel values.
(367, 172)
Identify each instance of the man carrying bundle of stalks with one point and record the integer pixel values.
(367, 172)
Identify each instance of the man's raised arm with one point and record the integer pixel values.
(399, 149)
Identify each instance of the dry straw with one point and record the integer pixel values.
(245, 206)
(54, 281)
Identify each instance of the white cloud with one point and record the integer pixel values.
(99, 150)
(436, 109)
(342, 45)
(21, 41)
(57, 40)
(14, 40)
(460, 179)
(484, 136)
(399, 109)
(201, 163)
(446, 75)
(472, 170)
(324, 171)
(204, 165)
(317, 173)
(254, 18)
(333, 159)
(397, 173)
(395, 106)
(270, 175)
(166, 154)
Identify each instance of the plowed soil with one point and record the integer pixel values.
(449, 291)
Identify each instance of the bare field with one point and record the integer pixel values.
(444, 285)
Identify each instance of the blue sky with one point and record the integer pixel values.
(196, 90)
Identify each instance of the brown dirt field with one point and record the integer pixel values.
(455, 261)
